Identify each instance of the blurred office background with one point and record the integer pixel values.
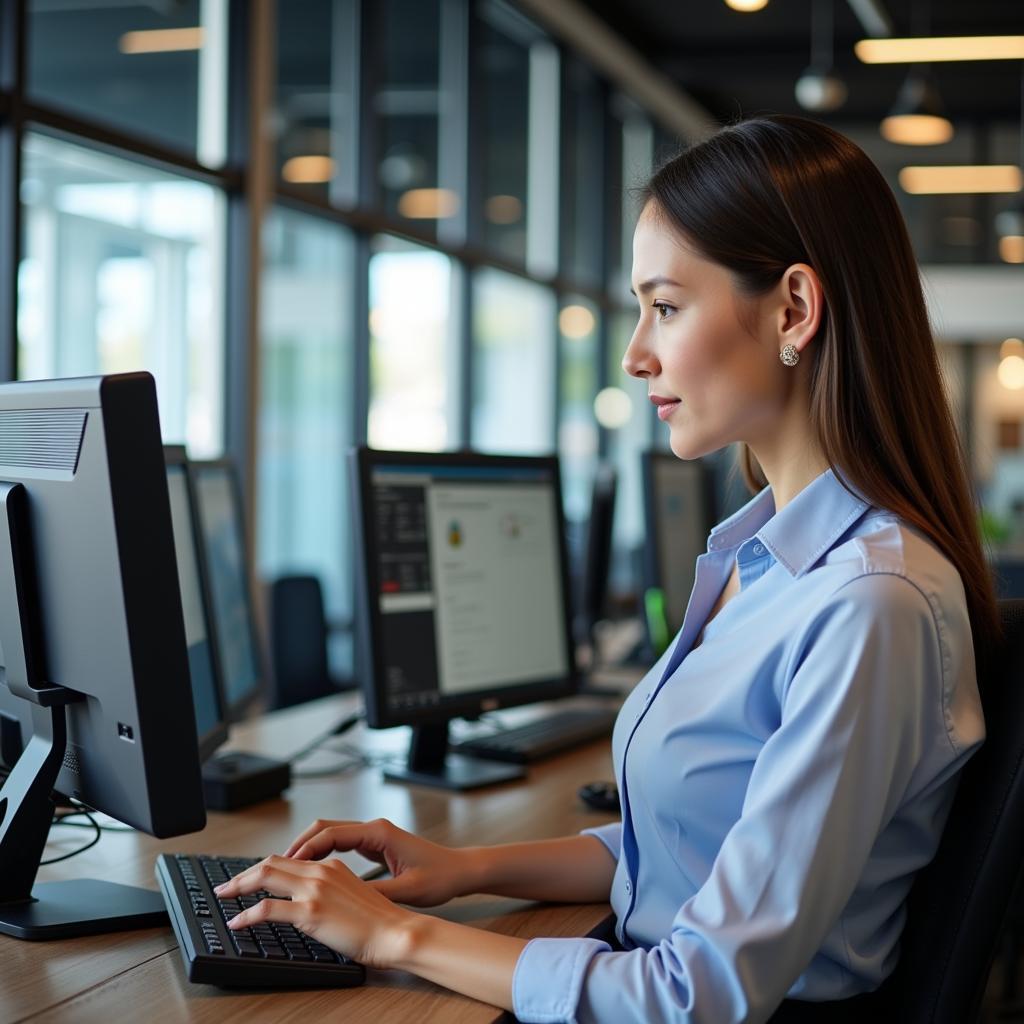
(408, 223)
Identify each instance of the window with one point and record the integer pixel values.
(407, 109)
(513, 364)
(518, 82)
(317, 92)
(625, 443)
(584, 196)
(413, 373)
(123, 270)
(155, 70)
(577, 424)
(305, 413)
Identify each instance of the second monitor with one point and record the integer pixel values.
(463, 597)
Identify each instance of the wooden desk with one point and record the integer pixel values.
(138, 976)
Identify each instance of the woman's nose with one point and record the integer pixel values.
(638, 360)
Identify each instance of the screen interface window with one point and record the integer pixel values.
(470, 585)
(200, 661)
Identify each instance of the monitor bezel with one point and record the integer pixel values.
(369, 653)
(176, 456)
(236, 710)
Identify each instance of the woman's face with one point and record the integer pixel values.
(715, 379)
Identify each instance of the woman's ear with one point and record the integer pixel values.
(801, 303)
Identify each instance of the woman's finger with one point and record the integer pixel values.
(283, 911)
(318, 826)
(276, 874)
(366, 838)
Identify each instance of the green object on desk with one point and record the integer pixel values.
(657, 622)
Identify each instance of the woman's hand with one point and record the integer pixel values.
(425, 874)
(328, 902)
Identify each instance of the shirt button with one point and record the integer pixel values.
(629, 888)
(758, 549)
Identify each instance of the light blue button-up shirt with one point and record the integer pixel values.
(782, 781)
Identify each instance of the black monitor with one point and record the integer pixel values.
(222, 528)
(204, 669)
(462, 597)
(597, 555)
(679, 511)
(95, 663)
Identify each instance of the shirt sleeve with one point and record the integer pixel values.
(610, 835)
(859, 707)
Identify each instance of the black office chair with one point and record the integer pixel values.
(960, 902)
(298, 643)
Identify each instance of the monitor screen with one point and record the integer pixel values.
(220, 522)
(679, 507)
(466, 566)
(202, 668)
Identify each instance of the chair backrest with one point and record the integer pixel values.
(298, 641)
(959, 903)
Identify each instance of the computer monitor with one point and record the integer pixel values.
(679, 511)
(222, 529)
(597, 555)
(93, 641)
(462, 597)
(204, 668)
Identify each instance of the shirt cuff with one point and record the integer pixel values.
(548, 977)
(610, 835)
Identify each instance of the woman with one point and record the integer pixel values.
(787, 766)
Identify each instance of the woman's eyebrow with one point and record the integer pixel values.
(655, 282)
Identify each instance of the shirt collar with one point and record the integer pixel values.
(803, 531)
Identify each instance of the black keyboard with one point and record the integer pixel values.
(546, 736)
(268, 956)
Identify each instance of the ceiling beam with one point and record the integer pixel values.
(873, 16)
(624, 65)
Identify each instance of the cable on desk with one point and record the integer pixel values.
(354, 758)
(342, 727)
(60, 820)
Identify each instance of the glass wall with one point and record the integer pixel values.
(123, 269)
(513, 363)
(578, 368)
(306, 422)
(158, 71)
(413, 363)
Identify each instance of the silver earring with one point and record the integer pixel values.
(789, 355)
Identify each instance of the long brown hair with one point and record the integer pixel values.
(763, 194)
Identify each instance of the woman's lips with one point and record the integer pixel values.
(666, 406)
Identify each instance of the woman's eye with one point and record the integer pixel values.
(662, 310)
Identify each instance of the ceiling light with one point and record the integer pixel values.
(916, 117)
(1011, 347)
(503, 209)
(161, 40)
(819, 88)
(960, 179)
(1011, 248)
(613, 408)
(428, 203)
(916, 129)
(1011, 372)
(746, 6)
(576, 321)
(308, 170)
(939, 48)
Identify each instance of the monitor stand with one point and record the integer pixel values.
(54, 910)
(430, 764)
